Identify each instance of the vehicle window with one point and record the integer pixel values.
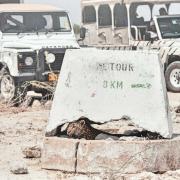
(174, 8)
(10, 22)
(22, 22)
(169, 27)
(120, 15)
(158, 8)
(104, 14)
(64, 23)
(14, 19)
(144, 11)
(140, 14)
(89, 14)
(49, 21)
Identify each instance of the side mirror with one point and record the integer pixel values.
(82, 33)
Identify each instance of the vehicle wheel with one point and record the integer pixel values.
(172, 76)
(9, 92)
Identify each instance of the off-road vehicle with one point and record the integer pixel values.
(137, 25)
(33, 41)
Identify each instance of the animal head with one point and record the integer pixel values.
(75, 129)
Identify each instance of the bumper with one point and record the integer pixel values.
(48, 77)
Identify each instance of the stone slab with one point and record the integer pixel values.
(105, 85)
(59, 154)
(111, 156)
(128, 157)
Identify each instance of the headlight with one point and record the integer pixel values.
(50, 57)
(29, 61)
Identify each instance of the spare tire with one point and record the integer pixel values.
(172, 77)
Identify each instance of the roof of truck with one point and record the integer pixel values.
(168, 16)
(28, 8)
(129, 1)
(151, 1)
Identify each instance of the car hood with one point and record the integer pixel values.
(38, 42)
(170, 43)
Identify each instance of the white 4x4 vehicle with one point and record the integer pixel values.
(33, 41)
(128, 24)
(164, 35)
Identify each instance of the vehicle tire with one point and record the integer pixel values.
(172, 77)
(10, 93)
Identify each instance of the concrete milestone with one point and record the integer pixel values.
(105, 85)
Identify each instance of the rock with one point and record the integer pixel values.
(127, 157)
(131, 138)
(64, 127)
(132, 132)
(19, 167)
(142, 176)
(172, 175)
(126, 118)
(36, 104)
(32, 152)
(84, 177)
(64, 136)
(59, 154)
(106, 137)
(2, 133)
(131, 124)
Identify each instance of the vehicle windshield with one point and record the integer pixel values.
(169, 27)
(29, 22)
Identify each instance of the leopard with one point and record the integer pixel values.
(82, 129)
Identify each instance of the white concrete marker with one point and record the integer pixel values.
(106, 85)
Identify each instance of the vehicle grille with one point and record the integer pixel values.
(56, 66)
(22, 67)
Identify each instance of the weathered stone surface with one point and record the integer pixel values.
(172, 175)
(84, 177)
(108, 85)
(18, 167)
(36, 104)
(128, 157)
(64, 127)
(59, 154)
(32, 152)
(142, 176)
(106, 137)
(102, 156)
(131, 138)
(48, 104)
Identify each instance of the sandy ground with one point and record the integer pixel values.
(19, 129)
